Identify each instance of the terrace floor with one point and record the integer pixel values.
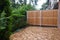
(37, 33)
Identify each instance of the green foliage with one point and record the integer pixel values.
(18, 20)
(5, 22)
(33, 1)
(45, 5)
(56, 6)
(23, 9)
(12, 19)
(23, 2)
(19, 16)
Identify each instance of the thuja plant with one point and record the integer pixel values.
(5, 31)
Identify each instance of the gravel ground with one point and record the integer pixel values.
(37, 33)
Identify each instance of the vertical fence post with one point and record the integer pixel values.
(59, 15)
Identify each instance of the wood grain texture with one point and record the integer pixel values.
(37, 33)
(46, 17)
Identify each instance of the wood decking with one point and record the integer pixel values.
(37, 33)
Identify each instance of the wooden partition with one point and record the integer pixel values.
(49, 17)
(59, 16)
(42, 17)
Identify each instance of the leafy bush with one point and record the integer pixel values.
(19, 16)
(5, 31)
(23, 9)
(5, 23)
(16, 20)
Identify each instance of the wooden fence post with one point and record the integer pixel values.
(59, 15)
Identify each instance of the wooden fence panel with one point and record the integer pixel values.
(49, 17)
(42, 17)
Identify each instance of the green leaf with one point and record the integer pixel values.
(2, 28)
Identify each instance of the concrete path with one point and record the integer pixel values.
(37, 33)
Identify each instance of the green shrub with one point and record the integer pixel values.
(19, 16)
(23, 9)
(5, 31)
(5, 23)
(16, 20)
